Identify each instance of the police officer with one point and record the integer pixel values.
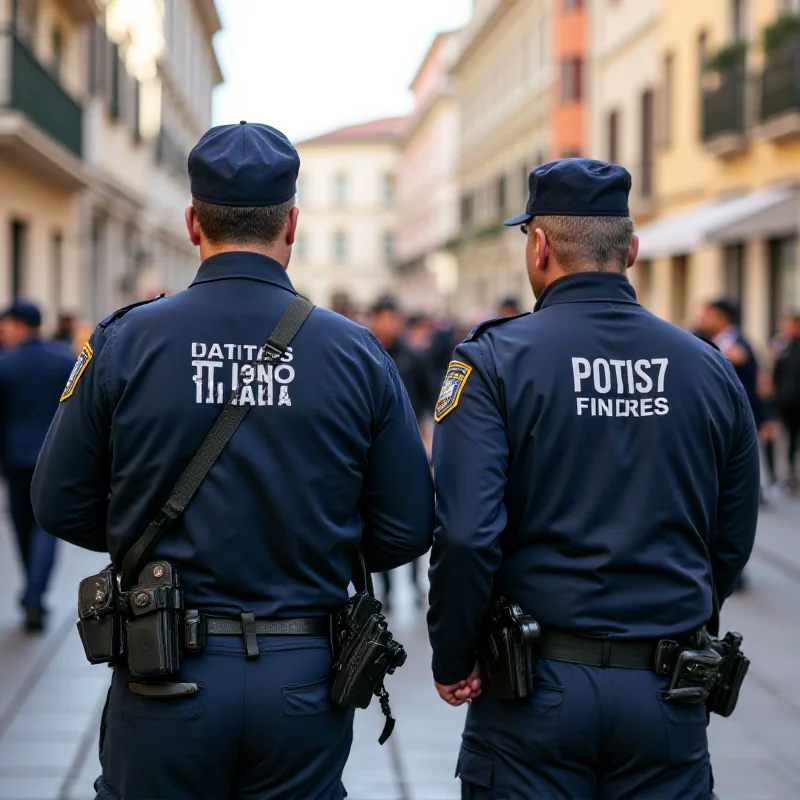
(599, 467)
(328, 459)
(33, 372)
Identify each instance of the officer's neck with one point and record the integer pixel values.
(276, 252)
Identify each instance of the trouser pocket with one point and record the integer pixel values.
(476, 771)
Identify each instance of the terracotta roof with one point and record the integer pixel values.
(390, 128)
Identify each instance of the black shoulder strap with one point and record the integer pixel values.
(209, 451)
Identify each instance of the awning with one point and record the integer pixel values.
(689, 230)
(781, 219)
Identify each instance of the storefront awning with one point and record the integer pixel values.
(732, 218)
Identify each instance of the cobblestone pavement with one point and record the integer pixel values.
(50, 699)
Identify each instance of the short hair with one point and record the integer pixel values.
(242, 224)
(602, 242)
(385, 303)
(728, 308)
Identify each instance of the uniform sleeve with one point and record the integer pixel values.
(470, 458)
(71, 484)
(737, 505)
(397, 497)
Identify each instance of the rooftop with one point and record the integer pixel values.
(377, 130)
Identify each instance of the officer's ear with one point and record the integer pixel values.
(291, 225)
(193, 226)
(633, 252)
(542, 250)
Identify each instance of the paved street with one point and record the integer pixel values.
(50, 699)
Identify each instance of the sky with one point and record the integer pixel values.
(309, 66)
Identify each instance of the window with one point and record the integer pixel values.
(571, 80)
(301, 247)
(467, 209)
(733, 272)
(524, 175)
(388, 247)
(388, 189)
(680, 289)
(647, 141)
(117, 71)
(613, 137)
(669, 68)
(137, 111)
(25, 14)
(500, 195)
(702, 52)
(56, 52)
(19, 256)
(340, 190)
(339, 246)
(57, 269)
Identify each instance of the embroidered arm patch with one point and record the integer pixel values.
(454, 380)
(77, 371)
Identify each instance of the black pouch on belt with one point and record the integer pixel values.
(100, 617)
(154, 626)
(506, 653)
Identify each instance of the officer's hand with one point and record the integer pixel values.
(462, 692)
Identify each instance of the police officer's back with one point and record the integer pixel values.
(328, 458)
(599, 467)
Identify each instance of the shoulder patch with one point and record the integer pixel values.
(454, 380)
(490, 323)
(77, 371)
(121, 312)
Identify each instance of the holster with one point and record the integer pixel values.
(506, 652)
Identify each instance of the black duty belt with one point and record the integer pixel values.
(598, 652)
(199, 626)
(231, 626)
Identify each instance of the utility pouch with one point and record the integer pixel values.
(154, 626)
(732, 672)
(100, 617)
(506, 652)
(364, 652)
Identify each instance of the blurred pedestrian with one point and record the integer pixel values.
(509, 307)
(389, 328)
(786, 378)
(33, 373)
(66, 328)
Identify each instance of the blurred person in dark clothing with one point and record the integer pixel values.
(509, 307)
(66, 328)
(342, 304)
(786, 379)
(33, 373)
(388, 326)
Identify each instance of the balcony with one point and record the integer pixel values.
(779, 116)
(723, 114)
(41, 125)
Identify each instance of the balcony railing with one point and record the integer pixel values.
(36, 93)
(780, 83)
(724, 106)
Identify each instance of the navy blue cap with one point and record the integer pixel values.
(576, 187)
(25, 311)
(244, 165)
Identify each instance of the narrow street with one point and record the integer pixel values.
(50, 699)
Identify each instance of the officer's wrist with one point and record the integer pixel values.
(452, 673)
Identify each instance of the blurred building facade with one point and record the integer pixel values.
(427, 185)
(100, 102)
(504, 76)
(346, 240)
(728, 162)
(43, 169)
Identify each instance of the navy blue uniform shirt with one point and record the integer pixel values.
(330, 447)
(594, 465)
(32, 377)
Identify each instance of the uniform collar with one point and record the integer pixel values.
(241, 264)
(588, 287)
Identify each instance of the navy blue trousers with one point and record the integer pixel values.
(588, 733)
(259, 729)
(37, 549)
